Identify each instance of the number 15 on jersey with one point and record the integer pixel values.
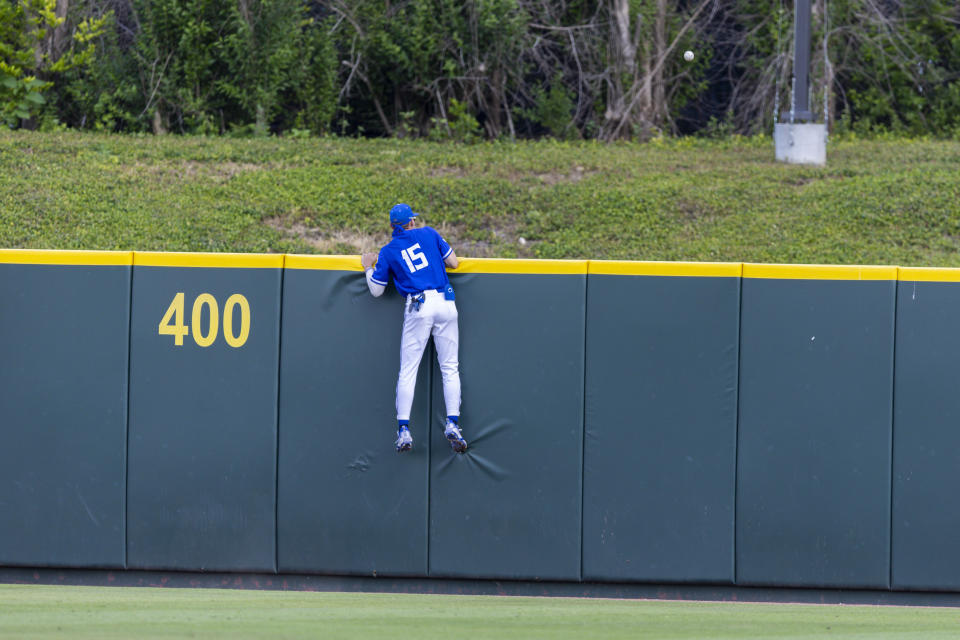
(414, 258)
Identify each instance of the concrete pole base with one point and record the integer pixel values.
(801, 143)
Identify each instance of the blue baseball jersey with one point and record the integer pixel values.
(414, 259)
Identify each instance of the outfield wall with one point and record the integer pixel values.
(689, 423)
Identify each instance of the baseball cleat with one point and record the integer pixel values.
(404, 440)
(452, 432)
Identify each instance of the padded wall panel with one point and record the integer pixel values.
(661, 418)
(510, 506)
(347, 502)
(203, 423)
(926, 438)
(816, 375)
(63, 402)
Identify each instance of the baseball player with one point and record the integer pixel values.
(415, 260)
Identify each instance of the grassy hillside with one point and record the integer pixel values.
(876, 202)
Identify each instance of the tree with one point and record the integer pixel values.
(410, 60)
(33, 49)
(898, 64)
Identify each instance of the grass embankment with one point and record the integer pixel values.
(876, 202)
(37, 612)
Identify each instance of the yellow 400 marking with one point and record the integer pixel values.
(172, 322)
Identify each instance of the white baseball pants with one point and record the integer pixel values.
(438, 317)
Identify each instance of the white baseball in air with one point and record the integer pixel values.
(688, 56)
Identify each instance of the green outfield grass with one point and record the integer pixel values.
(116, 612)
(889, 201)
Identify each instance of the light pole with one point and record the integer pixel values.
(798, 139)
(800, 102)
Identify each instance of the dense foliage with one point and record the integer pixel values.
(881, 201)
(472, 69)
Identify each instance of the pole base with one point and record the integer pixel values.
(801, 143)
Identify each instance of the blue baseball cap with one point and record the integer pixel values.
(401, 214)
